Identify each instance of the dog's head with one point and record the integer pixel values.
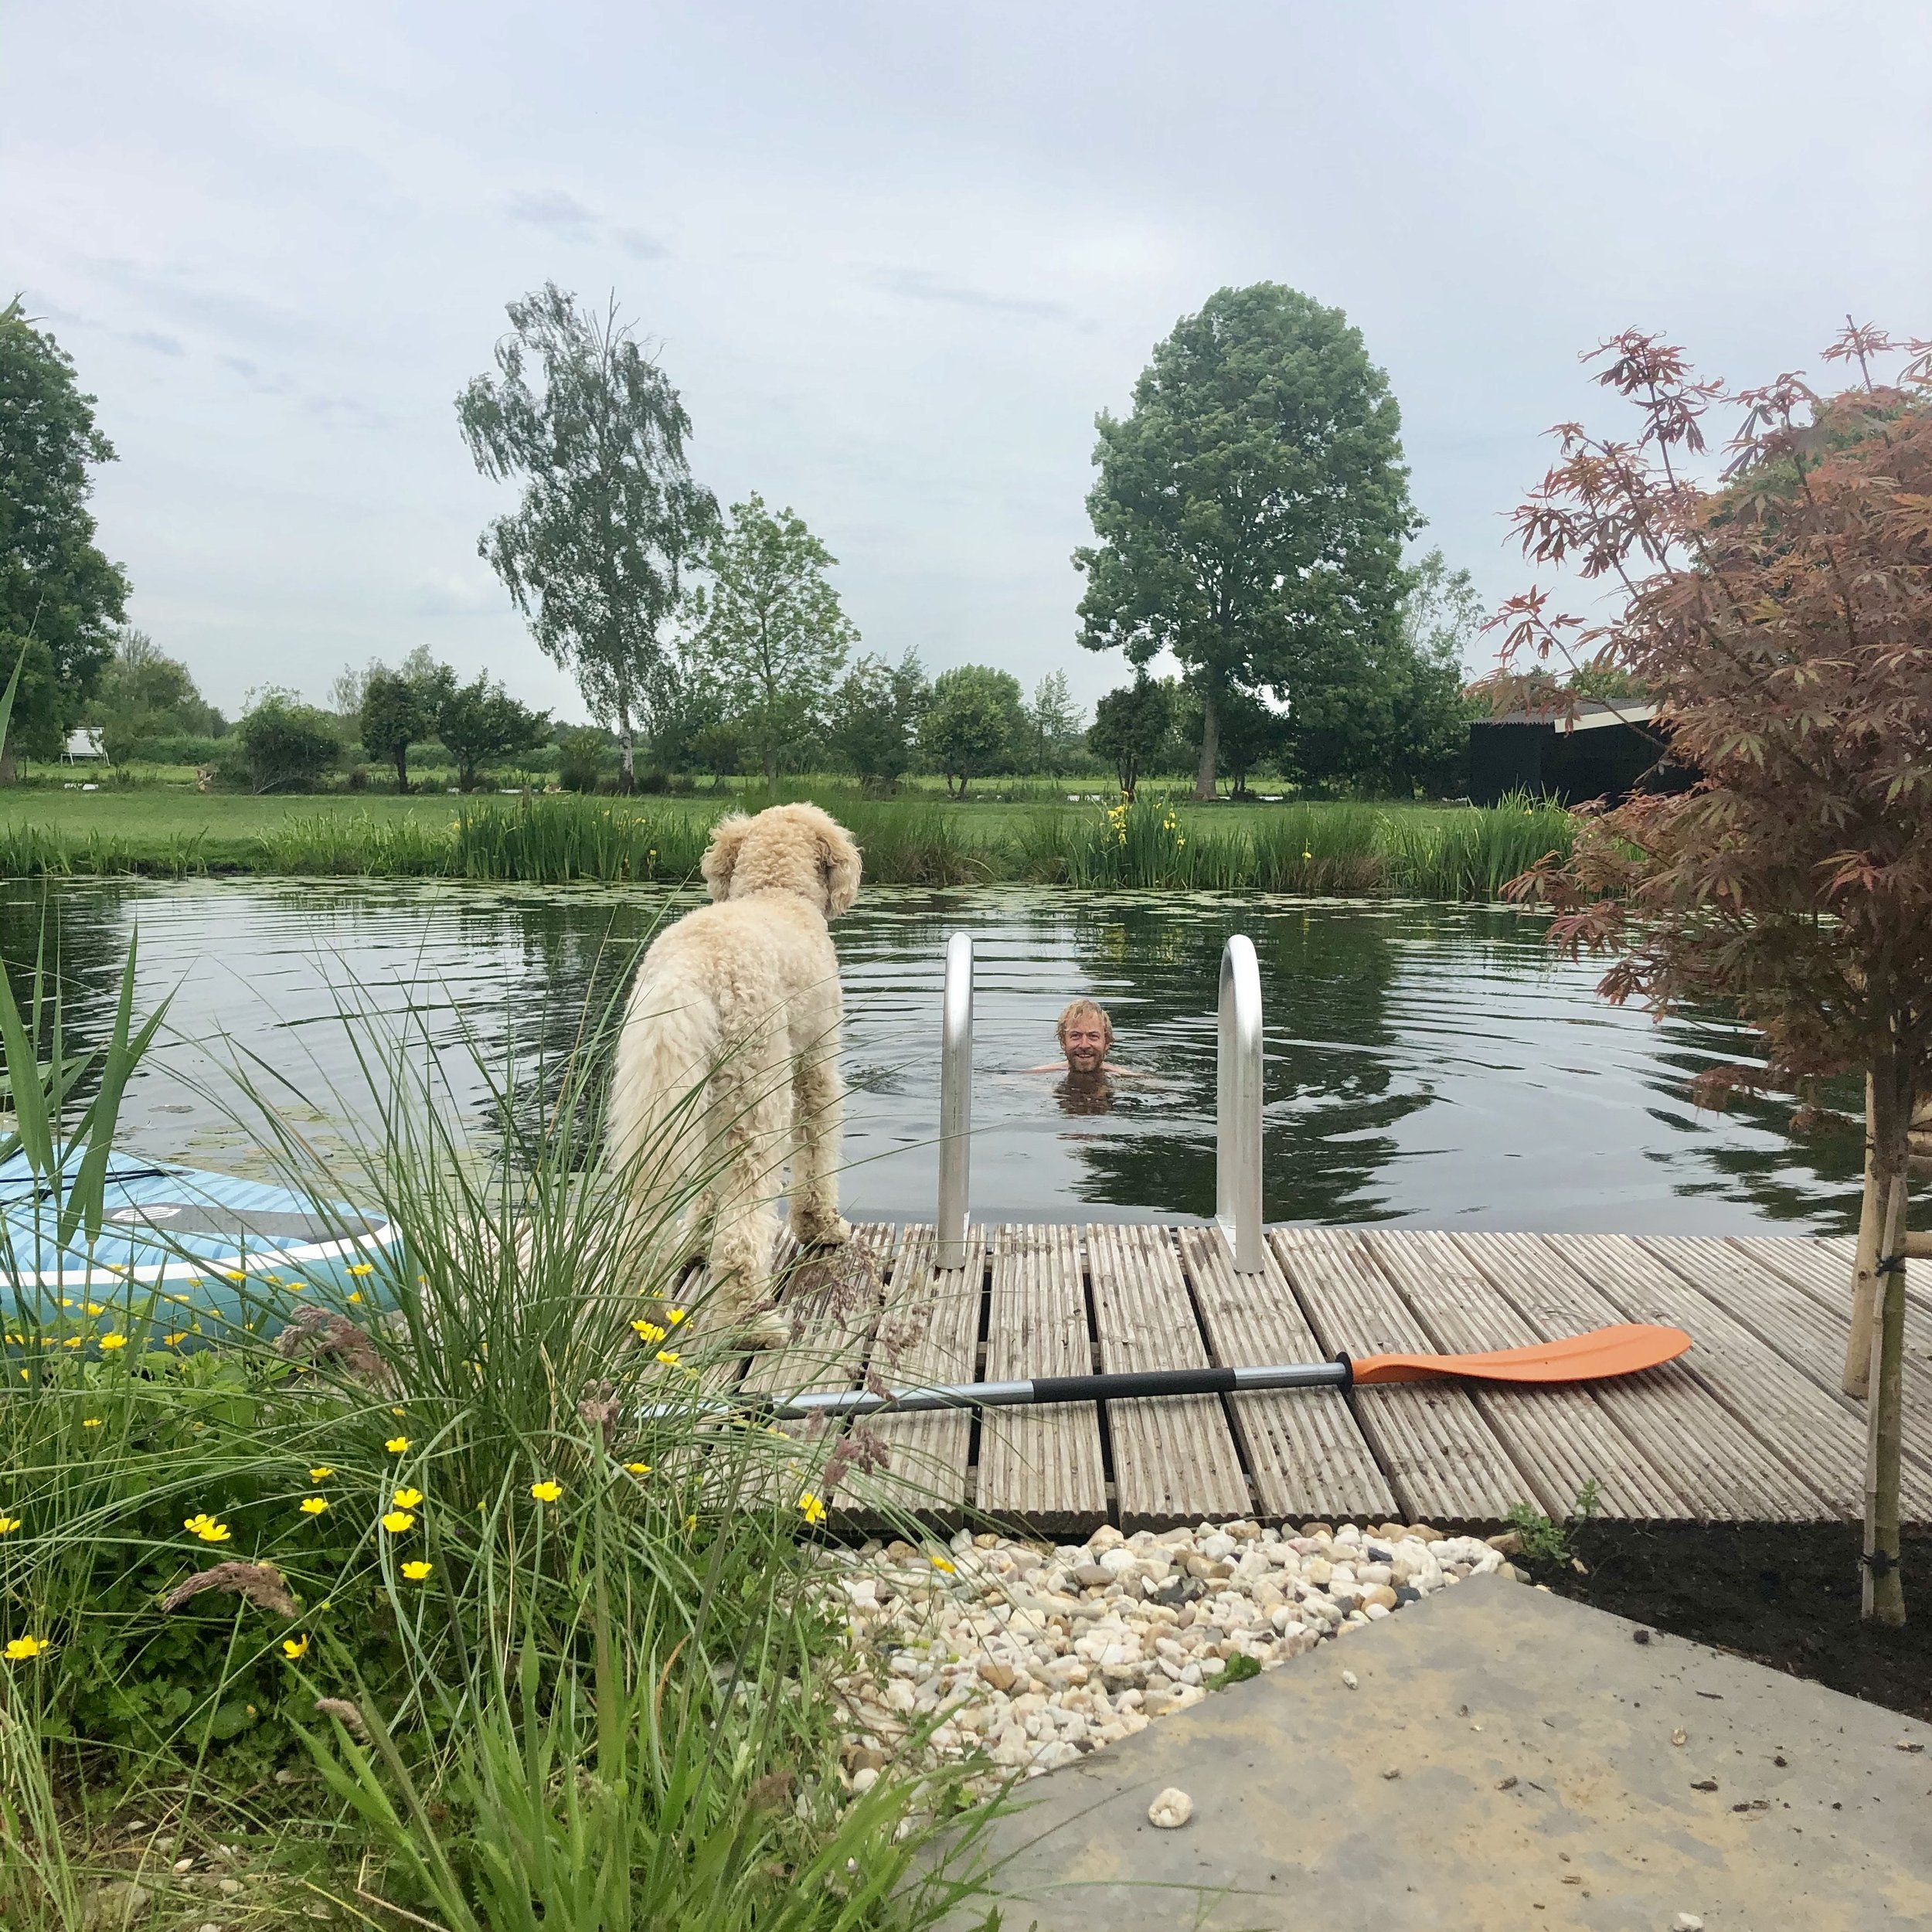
(794, 848)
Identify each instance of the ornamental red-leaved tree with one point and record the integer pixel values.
(1781, 618)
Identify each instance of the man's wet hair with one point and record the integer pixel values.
(1083, 1009)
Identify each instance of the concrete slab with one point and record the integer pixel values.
(1506, 1759)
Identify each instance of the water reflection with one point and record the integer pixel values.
(1426, 1064)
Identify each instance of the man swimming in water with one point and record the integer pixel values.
(1086, 1035)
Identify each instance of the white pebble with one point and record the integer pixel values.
(1348, 1678)
(1687, 1922)
(1171, 1810)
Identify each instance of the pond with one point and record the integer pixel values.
(1427, 1064)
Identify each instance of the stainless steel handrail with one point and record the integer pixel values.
(955, 1101)
(1237, 1104)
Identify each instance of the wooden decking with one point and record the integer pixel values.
(1749, 1427)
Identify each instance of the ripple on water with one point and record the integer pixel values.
(1425, 1063)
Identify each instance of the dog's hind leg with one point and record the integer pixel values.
(751, 1102)
(818, 1119)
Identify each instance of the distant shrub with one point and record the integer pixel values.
(287, 745)
(580, 758)
(176, 748)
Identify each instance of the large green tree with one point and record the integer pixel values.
(480, 721)
(1401, 724)
(769, 625)
(976, 722)
(398, 711)
(610, 519)
(142, 694)
(1130, 726)
(1052, 725)
(1251, 510)
(876, 713)
(60, 598)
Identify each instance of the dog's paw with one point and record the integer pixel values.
(762, 1328)
(823, 1231)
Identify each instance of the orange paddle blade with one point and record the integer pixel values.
(1621, 1351)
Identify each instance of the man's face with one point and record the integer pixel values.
(1085, 1045)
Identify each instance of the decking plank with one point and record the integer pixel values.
(1815, 1267)
(834, 1297)
(1441, 1458)
(1779, 1406)
(1726, 1473)
(929, 1333)
(1793, 1325)
(1305, 1451)
(1174, 1460)
(1557, 1436)
(1040, 1465)
(1843, 1249)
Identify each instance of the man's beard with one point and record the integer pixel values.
(1085, 1063)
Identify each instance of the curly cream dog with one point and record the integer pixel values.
(727, 1065)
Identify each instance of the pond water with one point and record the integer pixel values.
(1426, 1064)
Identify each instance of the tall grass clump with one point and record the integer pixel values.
(448, 1597)
(1474, 854)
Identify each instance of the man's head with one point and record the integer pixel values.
(1085, 1034)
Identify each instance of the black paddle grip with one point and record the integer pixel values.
(1144, 1381)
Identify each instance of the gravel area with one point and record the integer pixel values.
(1024, 1656)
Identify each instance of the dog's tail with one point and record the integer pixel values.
(669, 1048)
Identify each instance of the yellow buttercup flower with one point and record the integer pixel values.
(321, 1474)
(174, 1341)
(810, 1508)
(75, 1341)
(207, 1529)
(113, 1342)
(417, 1570)
(668, 1357)
(940, 1563)
(406, 1499)
(546, 1491)
(674, 1316)
(356, 1294)
(295, 1646)
(397, 1445)
(9, 1524)
(636, 1469)
(314, 1506)
(397, 1520)
(361, 1268)
(399, 1412)
(95, 1308)
(20, 1649)
(648, 1331)
(90, 1422)
(234, 1274)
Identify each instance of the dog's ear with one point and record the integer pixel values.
(720, 857)
(839, 869)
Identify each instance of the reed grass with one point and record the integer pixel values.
(1341, 850)
(551, 1653)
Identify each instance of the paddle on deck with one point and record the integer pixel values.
(1621, 1350)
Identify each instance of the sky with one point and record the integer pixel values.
(895, 257)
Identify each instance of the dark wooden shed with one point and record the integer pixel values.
(1606, 751)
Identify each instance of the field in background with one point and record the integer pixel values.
(1426, 852)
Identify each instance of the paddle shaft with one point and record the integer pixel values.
(1043, 1389)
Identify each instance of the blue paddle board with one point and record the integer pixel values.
(188, 1252)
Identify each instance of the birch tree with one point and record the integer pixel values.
(770, 624)
(595, 554)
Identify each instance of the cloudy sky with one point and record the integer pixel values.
(895, 256)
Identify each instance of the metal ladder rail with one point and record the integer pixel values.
(955, 1102)
(1238, 1070)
